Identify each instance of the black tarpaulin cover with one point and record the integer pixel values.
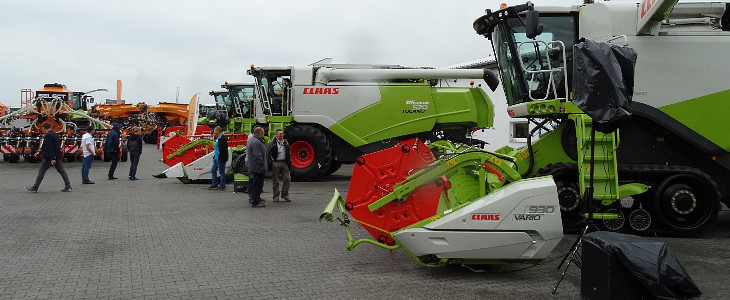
(651, 263)
(603, 82)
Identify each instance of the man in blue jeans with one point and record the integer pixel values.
(87, 146)
(220, 158)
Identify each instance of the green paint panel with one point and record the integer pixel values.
(547, 150)
(706, 115)
(408, 109)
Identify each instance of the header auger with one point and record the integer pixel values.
(469, 206)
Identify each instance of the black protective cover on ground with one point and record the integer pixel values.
(649, 261)
(603, 82)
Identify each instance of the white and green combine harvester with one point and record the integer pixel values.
(674, 143)
(665, 170)
(333, 113)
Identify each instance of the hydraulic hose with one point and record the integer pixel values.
(529, 147)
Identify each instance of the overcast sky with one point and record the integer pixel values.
(155, 46)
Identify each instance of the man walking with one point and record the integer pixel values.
(220, 158)
(280, 156)
(256, 162)
(51, 152)
(111, 146)
(87, 147)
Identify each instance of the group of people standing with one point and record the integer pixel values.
(52, 156)
(258, 156)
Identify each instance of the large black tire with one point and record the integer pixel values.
(71, 157)
(153, 138)
(13, 158)
(334, 166)
(685, 204)
(566, 180)
(311, 152)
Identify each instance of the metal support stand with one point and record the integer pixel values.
(572, 256)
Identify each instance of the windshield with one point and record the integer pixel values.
(77, 104)
(243, 95)
(222, 101)
(537, 58)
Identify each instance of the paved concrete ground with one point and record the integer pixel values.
(159, 238)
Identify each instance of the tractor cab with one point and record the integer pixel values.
(534, 52)
(273, 89)
(222, 105)
(238, 99)
(82, 101)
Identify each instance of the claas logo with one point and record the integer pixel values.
(485, 217)
(321, 91)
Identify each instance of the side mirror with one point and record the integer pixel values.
(491, 79)
(91, 100)
(532, 24)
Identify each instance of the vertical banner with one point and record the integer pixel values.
(192, 114)
(119, 91)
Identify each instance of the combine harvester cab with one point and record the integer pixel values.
(672, 143)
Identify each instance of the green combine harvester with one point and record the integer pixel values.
(671, 143)
(665, 170)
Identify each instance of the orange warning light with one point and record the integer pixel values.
(503, 5)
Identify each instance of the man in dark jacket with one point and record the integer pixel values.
(134, 147)
(111, 148)
(256, 162)
(280, 157)
(220, 158)
(51, 152)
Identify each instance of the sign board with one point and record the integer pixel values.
(192, 115)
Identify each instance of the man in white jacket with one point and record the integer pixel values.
(87, 146)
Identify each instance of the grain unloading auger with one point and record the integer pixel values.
(468, 207)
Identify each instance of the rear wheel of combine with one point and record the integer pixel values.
(311, 153)
(70, 157)
(13, 158)
(334, 166)
(566, 176)
(686, 204)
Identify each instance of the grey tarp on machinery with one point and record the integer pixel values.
(649, 261)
